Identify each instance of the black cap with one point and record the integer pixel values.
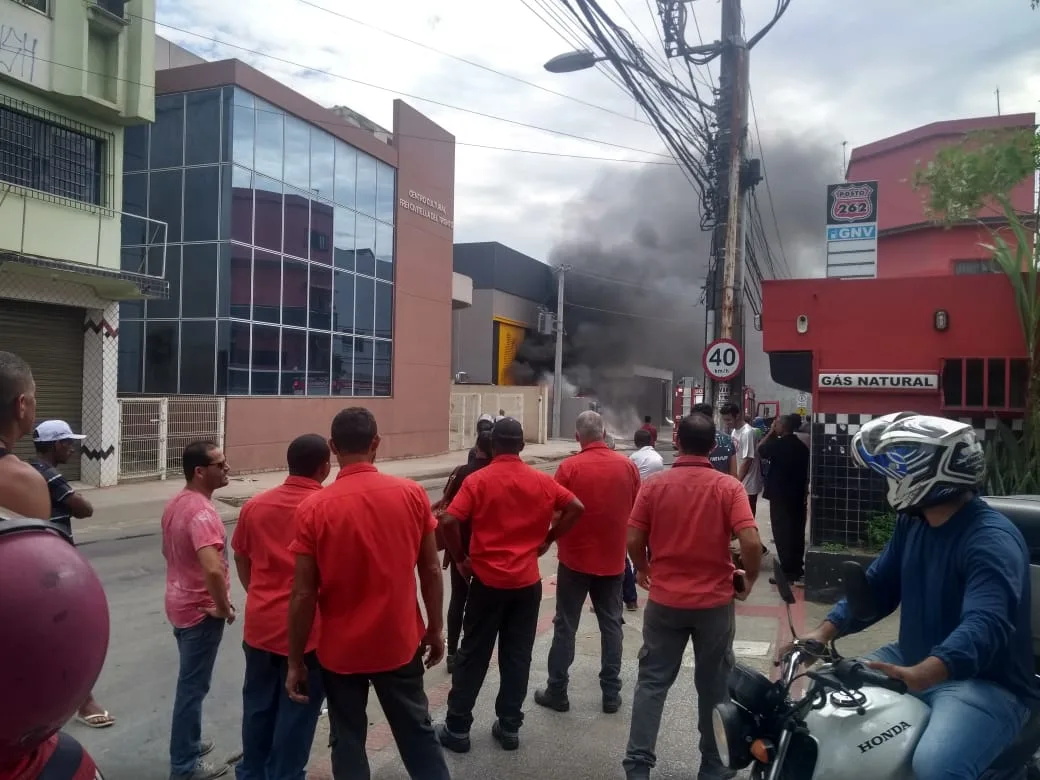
(507, 429)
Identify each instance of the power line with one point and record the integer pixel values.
(627, 314)
(769, 189)
(473, 64)
(432, 101)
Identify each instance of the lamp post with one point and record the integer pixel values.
(583, 59)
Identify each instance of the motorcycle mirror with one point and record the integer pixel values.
(857, 591)
(782, 585)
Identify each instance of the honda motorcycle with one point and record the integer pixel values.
(852, 723)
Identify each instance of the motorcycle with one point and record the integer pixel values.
(852, 723)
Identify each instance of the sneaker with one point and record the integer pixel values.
(509, 740)
(611, 704)
(632, 606)
(203, 771)
(450, 662)
(554, 701)
(456, 743)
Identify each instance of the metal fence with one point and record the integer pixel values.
(155, 430)
(467, 407)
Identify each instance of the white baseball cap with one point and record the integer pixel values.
(55, 430)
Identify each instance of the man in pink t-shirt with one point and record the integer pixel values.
(198, 601)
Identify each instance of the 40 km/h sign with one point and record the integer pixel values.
(723, 359)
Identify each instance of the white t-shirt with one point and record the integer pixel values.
(648, 461)
(745, 441)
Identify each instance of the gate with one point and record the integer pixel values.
(467, 407)
(154, 432)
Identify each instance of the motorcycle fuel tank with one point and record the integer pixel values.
(878, 745)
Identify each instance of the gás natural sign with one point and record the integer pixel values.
(892, 381)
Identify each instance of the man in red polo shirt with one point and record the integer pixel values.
(592, 561)
(276, 732)
(510, 507)
(357, 546)
(688, 515)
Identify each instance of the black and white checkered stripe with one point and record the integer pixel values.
(848, 424)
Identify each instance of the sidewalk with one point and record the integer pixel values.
(131, 510)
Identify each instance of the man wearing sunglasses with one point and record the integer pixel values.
(198, 601)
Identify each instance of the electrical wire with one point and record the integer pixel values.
(627, 314)
(465, 61)
(379, 87)
(765, 175)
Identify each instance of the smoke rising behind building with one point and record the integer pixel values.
(639, 260)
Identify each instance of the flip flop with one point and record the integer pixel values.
(99, 720)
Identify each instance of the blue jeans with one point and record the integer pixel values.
(198, 646)
(277, 733)
(628, 584)
(979, 717)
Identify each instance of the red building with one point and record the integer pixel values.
(936, 331)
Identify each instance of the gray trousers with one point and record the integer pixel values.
(572, 588)
(666, 632)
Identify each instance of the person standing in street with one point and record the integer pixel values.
(358, 544)
(688, 516)
(646, 458)
(459, 584)
(745, 441)
(592, 561)
(23, 490)
(724, 455)
(55, 445)
(786, 485)
(510, 508)
(649, 427)
(198, 601)
(277, 732)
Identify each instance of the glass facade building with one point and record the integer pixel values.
(280, 254)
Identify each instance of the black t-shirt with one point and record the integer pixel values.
(724, 450)
(60, 491)
(788, 468)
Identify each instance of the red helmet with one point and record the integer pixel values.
(55, 633)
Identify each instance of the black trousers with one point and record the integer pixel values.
(510, 617)
(456, 607)
(401, 695)
(787, 518)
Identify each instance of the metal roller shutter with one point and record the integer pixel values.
(50, 339)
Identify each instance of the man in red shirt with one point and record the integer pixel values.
(648, 426)
(277, 732)
(358, 543)
(592, 561)
(687, 516)
(198, 601)
(510, 508)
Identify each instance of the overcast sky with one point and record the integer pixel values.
(828, 72)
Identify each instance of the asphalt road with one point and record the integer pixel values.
(137, 687)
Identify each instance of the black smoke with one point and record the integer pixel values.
(639, 260)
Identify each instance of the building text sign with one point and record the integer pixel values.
(429, 208)
(852, 230)
(891, 382)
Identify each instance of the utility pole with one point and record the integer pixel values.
(997, 93)
(733, 124)
(557, 374)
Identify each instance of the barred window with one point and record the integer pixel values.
(50, 158)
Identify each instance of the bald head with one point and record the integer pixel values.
(696, 435)
(17, 395)
(589, 427)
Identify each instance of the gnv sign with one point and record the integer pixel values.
(851, 232)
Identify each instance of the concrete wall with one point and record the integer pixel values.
(534, 402)
(512, 307)
(472, 339)
(169, 55)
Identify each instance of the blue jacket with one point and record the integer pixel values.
(965, 596)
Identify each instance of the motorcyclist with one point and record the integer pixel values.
(959, 571)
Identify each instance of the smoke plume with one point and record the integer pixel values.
(638, 259)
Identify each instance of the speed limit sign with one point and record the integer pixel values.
(723, 359)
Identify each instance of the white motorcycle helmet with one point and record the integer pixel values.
(926, 460)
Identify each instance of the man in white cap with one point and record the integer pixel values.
(56, 443)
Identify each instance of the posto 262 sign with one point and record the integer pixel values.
(893, 382)
(852, 202)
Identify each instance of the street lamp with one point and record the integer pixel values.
(583, 59)
(580, 59)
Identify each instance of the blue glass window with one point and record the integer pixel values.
(385, 200)
(364, 306)
(385, 251)
(346, 174)
(343, 302)
(198, 351)
(268, 151)
(243, 130)
(294, 293)
(323, 164)
(366, 185)
(342, 365)
(321, 239)
(267, 222)
(161, 352)
(202, 127)
(294, 361)
(131, 355)
(366, 245)
(364, 360)
(241, 205)
(265, 353)
(343, 241)
(297, 153)
(297, 223)
(167, 145)
(320, 298)
(319, 355)
(201, 196)
(267, 286)
(199, 281)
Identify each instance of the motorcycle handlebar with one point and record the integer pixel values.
(855, 674)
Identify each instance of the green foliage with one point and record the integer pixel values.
(880, 528)
(1012, 462)
(834, 547)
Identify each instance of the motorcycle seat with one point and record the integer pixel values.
(1019, 752)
